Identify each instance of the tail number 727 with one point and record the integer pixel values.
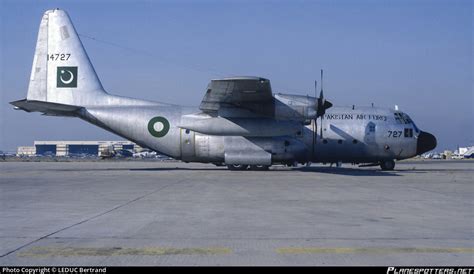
(395, 133)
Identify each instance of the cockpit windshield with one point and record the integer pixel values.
(403, 118)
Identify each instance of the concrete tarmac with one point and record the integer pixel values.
(171, 213)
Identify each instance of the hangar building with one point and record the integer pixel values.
(71, 148)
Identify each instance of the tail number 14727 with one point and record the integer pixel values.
(59, 56)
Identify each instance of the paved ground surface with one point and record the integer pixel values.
(152, 213)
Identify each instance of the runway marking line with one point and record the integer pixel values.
(369, 250)
(118, 251)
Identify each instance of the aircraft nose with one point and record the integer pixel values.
(426, 142)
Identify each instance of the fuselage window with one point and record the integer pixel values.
(408, 132)
(372, 128)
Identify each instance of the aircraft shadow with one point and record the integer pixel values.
(349, 171)
(175, 168)
(316, 169)
(328, 170)
(141, 169)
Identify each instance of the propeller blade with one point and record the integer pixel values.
(321, 109)
(315, 124)
(321, 127)
(322, 104)
(321, 95)
(315, 88)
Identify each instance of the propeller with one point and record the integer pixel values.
(315, 127)
(321, 104)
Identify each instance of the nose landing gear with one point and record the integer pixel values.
(387, 165)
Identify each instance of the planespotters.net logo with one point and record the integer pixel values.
(429, 270)
(66, 77)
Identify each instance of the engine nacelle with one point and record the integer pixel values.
(295, 107)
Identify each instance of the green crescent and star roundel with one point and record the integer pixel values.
(158, 126)
(66, 77)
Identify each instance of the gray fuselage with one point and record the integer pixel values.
(349, 134)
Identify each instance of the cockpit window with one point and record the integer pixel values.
(403, 118)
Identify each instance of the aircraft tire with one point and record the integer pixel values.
(387, 165)
(259, 167)
(237, 167)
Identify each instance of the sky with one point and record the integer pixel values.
(414, 54)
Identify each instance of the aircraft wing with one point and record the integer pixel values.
(235, 94)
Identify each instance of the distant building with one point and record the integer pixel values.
(447, 154)
(26, 151)
(469, 153)
(71, 148)
(464, 152)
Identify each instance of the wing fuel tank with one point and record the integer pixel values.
(248, 127)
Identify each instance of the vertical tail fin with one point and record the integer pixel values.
(62, 72)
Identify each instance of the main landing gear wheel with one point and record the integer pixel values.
(387, 165)
(259, 167)
(237, 167)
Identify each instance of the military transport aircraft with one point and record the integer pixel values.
(239, 123)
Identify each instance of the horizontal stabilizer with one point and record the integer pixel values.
(46, 108)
